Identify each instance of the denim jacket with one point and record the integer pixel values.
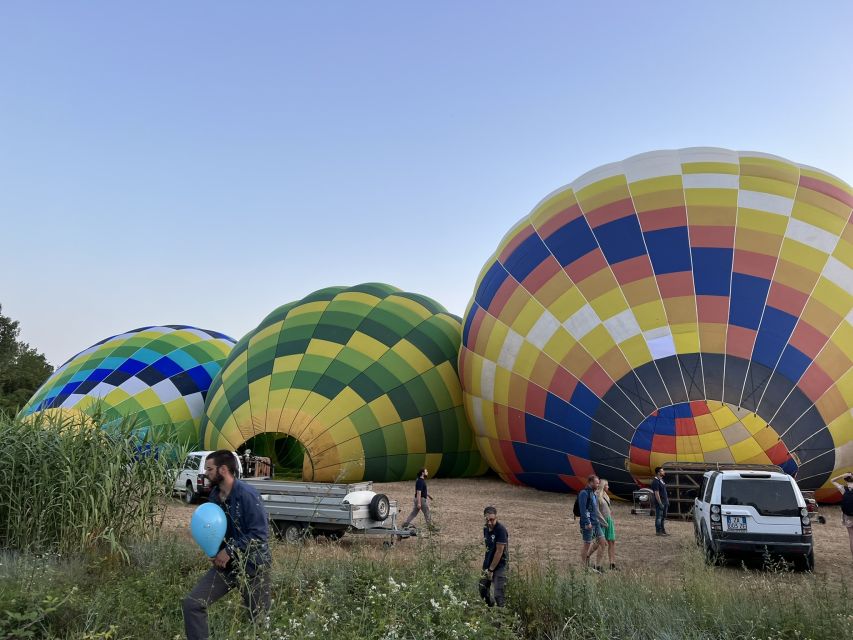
(247, 533)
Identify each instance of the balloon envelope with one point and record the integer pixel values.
(208, 527)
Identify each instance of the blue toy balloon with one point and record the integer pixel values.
(208, 527)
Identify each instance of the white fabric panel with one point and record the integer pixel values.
(839, 274)
(811, 235)
(709, 154)
(622, 326)
(478, 419)
(765, 202)
(710, 181)
(196, 332)
(100, 390)
(509, 351)
(133, 385)
(545, 327)
(71, 400)
(652, 165)
(661, 344)
(582, 322)
(166, 391)
(601, 173)
(487, 380)
(195, 402)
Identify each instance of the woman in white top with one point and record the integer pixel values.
(605, 516)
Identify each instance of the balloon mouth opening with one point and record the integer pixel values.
(705, 431)
(289, 456)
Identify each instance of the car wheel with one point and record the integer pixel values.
(696, 535)
(711, 557)
(190, 494)
(380, 507)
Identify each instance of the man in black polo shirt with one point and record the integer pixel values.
(661, 501)
(422, 499)
(495, 561)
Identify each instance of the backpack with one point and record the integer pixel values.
(847, 502)
(576, 508)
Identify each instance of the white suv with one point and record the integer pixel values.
(191, 481)
(753, 512)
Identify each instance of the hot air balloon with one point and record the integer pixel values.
(153, 379)
(348, 384)
(689, 305)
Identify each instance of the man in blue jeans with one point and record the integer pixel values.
(590, 525)
(661, 501)
(244, 556)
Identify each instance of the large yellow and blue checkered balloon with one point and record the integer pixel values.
(690, 305)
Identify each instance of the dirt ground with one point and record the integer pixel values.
(540, 527)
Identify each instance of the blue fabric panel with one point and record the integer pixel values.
(561, 412)
(712, 270)
(585, 400)
(549, 435)
(571, 241)
(789, 467)
(669, 249)
(469, 319)
(526, 257)
(621, 239)
(643, 437)
(167, 367)
(200, 377)
(793, 363)
(490, 284)
(546, 482)
(776, 328)
(132, 366)
(543, 460)
(748, 296)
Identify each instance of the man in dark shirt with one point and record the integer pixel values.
(422, 498)
(496, 538)
(244, 557)
(661, 501)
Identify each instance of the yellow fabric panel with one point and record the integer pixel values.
(567, 304)
(705, 424)
(687, 444)
(691, 457)
(598, 342)
(712, 337)
(812, 207)
(711, 198)
(820, 316)
(842, 429)
(415, 436)
(503, 379)
(636, 351)
(551, 206)
(610, 303)
(710, 167)
(686, 342)
(114, 397)
(745, 449)
(418, 309)
(768, 185)
(316, 307)
(641, 291)
(681, 312)
(760, 458)
(413, 356)
(724, 417)
(497, 337)
(763, 221)
(384, 411)
(833, 297)
(530, 313)
(712, 441)
(451, 382)
(259, 392)
(342, 406)
(803, 255)
(510, 235)
(306, 420)
(655, 186)
(753, 423)
(359, 297)
(366, 345)
(767, 438)
(559, 345)
(650, 315)
(525, 361)
(603, 192)
(795, 276)
(758, 241)
(284, 364)
(323, 348)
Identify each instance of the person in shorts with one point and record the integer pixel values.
(846, 490)
(590, 526)
(605, 517)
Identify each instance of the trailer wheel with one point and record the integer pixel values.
(292, 532)
(380, 507)
(189, 495)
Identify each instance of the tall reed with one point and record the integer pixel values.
(68, 486)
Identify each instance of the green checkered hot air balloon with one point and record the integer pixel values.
(360, 382)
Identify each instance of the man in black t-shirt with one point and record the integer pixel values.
(661, 501)
(496, 539)
(422, 499)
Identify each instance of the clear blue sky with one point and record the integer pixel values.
(202, 163)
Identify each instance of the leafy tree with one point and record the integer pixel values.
(22, 368)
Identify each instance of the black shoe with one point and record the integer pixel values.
(594, 568)
(658, 533)
(613, 567)
(664, 533)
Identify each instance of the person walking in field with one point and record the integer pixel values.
(244, 557)
(422, 499)
(605, 517)
(661, 501)
(590, 525)
(846, 503)
(496, 539)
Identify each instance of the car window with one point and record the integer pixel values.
(769, 497)
(709, 488)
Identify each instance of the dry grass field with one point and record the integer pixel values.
(541, 528)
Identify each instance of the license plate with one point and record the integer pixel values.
(736, 523)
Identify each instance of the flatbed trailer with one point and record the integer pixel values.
(297, 509)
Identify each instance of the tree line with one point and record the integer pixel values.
(22, 368)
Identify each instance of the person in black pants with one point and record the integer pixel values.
(495, 562)
(244, 557)
(661, 501)
(422, 499)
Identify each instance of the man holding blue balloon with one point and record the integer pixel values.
(241, 557)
